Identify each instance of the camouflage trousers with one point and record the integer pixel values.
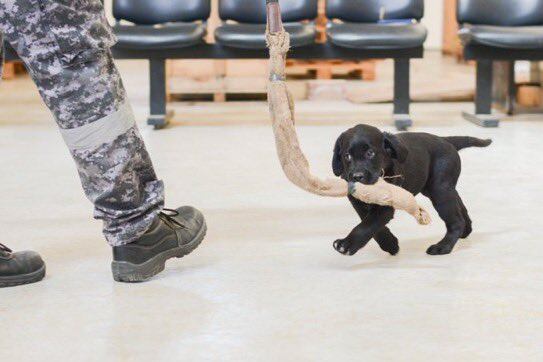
(65, 45)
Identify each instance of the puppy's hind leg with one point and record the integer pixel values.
(387, 241)
(468, 229)
(446, 203)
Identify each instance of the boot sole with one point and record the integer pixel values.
(29, 278)
(135, 273)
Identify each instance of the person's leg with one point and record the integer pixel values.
(65, 46)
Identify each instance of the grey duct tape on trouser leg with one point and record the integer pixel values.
(104, 130)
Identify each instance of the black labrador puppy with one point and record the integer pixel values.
(418, 162)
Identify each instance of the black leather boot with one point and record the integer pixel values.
(19, 268)
(173, 234)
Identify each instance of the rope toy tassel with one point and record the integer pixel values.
(292, 159)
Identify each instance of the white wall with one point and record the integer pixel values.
(107, 6)
(433, 19)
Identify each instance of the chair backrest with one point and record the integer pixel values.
(369, 11)
(501, 12)
(150, 12)
(254, 11)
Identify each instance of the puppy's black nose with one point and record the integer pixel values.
(359, 176)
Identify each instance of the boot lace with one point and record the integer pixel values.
(167, 215)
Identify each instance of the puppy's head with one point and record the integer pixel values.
(363, 152)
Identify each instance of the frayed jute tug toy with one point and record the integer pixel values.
(293, 161)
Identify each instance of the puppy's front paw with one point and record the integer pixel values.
(392, 248)
(346, 247)
(440, 249)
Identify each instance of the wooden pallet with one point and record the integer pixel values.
(11, 69)
(329, 69)
(221, 78)
(247, 78)
(221, 89)
(218, 78)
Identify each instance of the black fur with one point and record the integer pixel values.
(428, 164)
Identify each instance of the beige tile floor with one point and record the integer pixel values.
(266, 285)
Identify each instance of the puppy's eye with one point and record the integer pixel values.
(348, 157)
(370, 154)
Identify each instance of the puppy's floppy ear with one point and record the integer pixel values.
(394, 147)
(337, 162)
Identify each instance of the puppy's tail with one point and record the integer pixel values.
(460, 142)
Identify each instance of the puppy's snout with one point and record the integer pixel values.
(364, 177)
(359, 176)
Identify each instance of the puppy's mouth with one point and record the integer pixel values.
(365, 178)
(372, 181)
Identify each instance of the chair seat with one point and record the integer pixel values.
(252, 36)
(169, 36)
(377, 36)
(517, 37)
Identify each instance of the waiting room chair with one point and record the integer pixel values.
(498, 30)
(245, 23)
(381, 24)
(160, 25)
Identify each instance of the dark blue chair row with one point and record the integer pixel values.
(359, 23)
(361, 29)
